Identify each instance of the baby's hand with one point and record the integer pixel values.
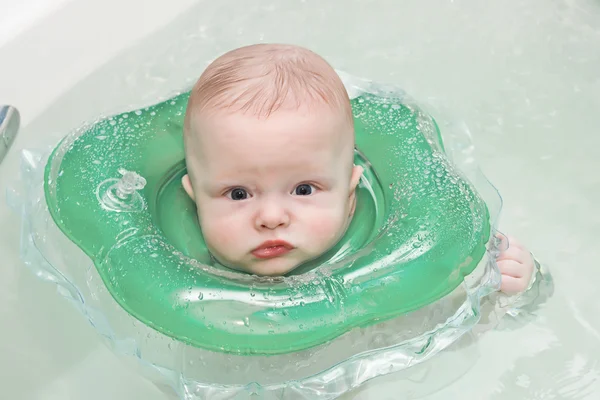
(516, 266)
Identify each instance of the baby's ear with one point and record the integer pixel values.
(187, 186)
(357, 172)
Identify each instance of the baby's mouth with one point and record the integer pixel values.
(272, 249)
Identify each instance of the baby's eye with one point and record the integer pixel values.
(238, 194)
(303, 190)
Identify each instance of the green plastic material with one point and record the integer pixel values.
(419, 229)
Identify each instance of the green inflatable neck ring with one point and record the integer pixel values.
(419, 229)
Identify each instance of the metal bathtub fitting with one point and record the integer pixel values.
(9, 126)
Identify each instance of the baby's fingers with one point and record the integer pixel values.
(515, 254)
(511, 268)
(514, 242)
(511, 285)
(509, 241)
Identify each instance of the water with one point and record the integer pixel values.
(522, 75)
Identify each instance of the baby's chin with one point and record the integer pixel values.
(272, 267)
(277, 266)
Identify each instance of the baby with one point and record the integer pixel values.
(269, 143)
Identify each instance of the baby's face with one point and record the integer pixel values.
(272, 193)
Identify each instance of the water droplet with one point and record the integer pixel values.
(200, 296)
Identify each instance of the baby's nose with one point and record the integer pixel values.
(272, 215)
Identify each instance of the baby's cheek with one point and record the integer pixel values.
(217, 235)
(219, 231)
(325, 227)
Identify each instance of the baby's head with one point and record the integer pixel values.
(269, 144)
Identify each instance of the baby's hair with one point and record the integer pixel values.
(263, 78)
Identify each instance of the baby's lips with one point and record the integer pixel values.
(274, 243)
(271, 252)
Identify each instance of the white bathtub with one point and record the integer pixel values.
(523, 77)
